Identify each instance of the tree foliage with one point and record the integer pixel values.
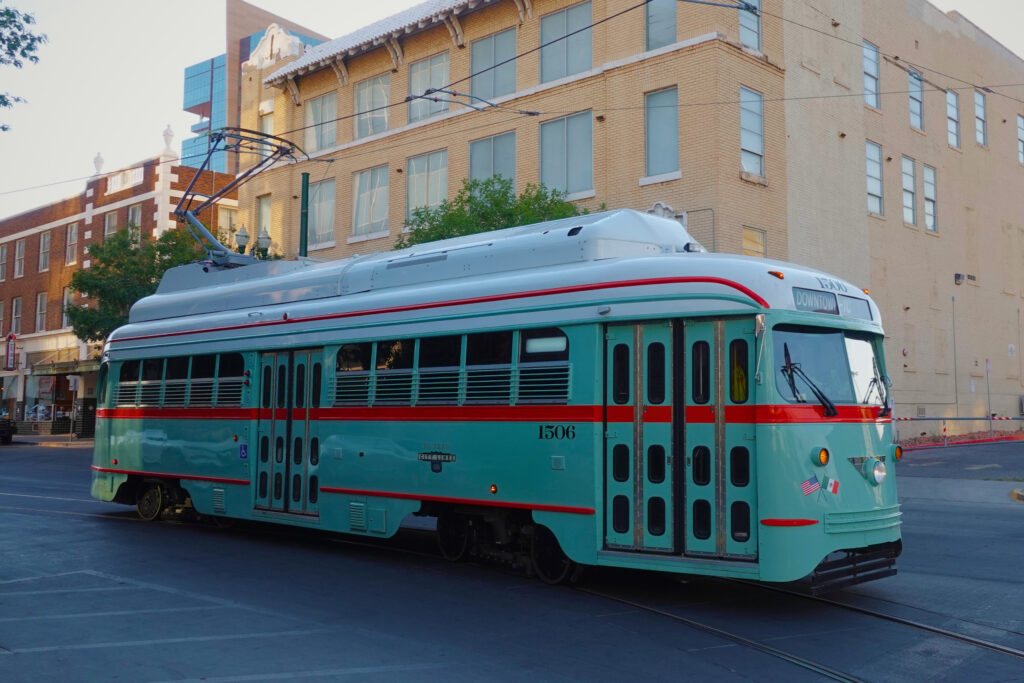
(484, 205)
(17, 44)
(124, 269)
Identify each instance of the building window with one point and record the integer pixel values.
(493, 65)
(263, 214)
(371, 100)
(930, 198)
(227, 219)
(71, 245)
(41, 312)
(1, 316)
(873, 153)
(44, 251)
(423, 75)
(754, 242)
(16, 315)
(750, 25)
(980, 127)
(321, 214)
(135, 215)
(493, 156)
(871, 96)
(321, 114)
(909, 192)
(426, 181)
(567, 153)
(562, 54)
(109, 223)
(661, 23)
(3, 263)
(752, 132)
(916, 99)
(267, 128)
(953, 118)
(65, 303)
(1020, 139)
(19, 258)
(370, 188)
(662, 132)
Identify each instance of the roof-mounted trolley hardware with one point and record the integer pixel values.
(269, 147)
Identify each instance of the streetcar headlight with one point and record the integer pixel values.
(820, 456)
(875, 471)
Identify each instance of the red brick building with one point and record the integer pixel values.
(39, 251)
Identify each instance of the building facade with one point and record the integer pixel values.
(212, 85)
(872, 140)
(40, 249)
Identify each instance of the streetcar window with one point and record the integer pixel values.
(740, 521)
(129, 371)
(620, 373)
(282, 385)
(354, 357)
(656, 464)
(701, 519)
(738, 387)
(268, 380)
(395, 355)
(230, 379)
(352, 386)
(231, 365)
(844, 366)
(486, 383)
(129, 379)
(314, 397)
(701, 466)
(620, 514)
(543, 346)
(620, 462)
(201, 381)
(300, 386)
(739, 466)
(152, 376)
(176, 381)
(543, 366)
(656, 516)
(700, 385)
(439, 362)
(441, 352)
(102, 383)
(656, 373)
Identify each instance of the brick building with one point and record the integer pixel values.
(870, 139)
(39, 251)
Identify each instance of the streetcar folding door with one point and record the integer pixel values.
(720, 475)
(288, 443)
(638, 443)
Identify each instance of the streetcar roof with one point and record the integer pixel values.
(588, 255)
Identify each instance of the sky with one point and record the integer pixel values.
(110, 79)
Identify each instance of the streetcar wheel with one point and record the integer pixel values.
(453, 536)
(150, 503)
(550, 564)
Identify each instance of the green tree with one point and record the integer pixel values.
(483, 205)
(124, 269)
(17, 43)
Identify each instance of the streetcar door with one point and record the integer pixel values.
(720, 483)
(638, 449)
(287, 439)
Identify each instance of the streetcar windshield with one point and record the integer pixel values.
(814, 364)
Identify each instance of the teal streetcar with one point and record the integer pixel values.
(597, 390)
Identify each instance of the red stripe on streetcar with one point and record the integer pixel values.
(464, 501)
(764, 414)
(788, 522)
(162, 475)
(473, 300)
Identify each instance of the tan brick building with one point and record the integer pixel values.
(39, 251)
(818, 131)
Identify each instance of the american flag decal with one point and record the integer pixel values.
(810, 486)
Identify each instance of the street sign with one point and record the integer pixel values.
(11, 353)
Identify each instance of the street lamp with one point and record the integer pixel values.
(242, 239)
(263, 242)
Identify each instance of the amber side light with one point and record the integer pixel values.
(778, 274)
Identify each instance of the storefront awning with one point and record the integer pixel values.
(70, 367)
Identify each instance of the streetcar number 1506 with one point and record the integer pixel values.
(556, 432)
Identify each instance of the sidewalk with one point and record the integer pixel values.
(54, 440)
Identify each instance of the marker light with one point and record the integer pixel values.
(777, 274)
(820, 456)
(494, 489)
(875, 471)
(897, 452)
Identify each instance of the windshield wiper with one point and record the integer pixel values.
(878, 383)
(791, 369)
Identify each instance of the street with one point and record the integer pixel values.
(90, 592)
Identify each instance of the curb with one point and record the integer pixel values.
(971, 442)
(1017, 495)
(67, 444)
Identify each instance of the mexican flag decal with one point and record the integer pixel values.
(830, 485)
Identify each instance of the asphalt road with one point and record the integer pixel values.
(88, 592)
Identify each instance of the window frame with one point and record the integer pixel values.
(909, 193)
(41, 311)
(750, 25)
(558, 48)
(1020, 139)
(655, 139)
(321, 134)
(930, 198)
(44, 251)
(67, 299)
(872, 76)
(953, 118)
(19, 258)
(3, 262)
(484, 82)
(915, 101)
(660, 6)
(435, 181)
(71, 244)
(562, 155)
(368, 114)
(16, 310)
(374, 198)
(490, 141)
(980, 119)
(421, 109)
(317, 238)
(109, 223)
(881, 176)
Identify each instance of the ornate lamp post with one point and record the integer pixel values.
(263, 242)
(242, 239)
